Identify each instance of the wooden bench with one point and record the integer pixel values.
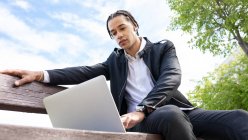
(28, 98)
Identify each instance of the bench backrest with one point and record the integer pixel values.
(26, 98)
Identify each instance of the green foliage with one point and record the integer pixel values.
(224, 88)
(215, 23)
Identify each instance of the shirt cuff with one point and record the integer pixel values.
(46, 77)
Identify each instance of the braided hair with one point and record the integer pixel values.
(128, 16)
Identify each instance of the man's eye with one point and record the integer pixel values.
(113, 33)
(123, 28)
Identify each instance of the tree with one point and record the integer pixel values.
(218, 25)
(225, 87)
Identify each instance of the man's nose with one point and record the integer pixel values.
(119, 35)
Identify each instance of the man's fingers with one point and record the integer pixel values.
(11, 72)
(4, 71)
(21, 82)
(131, 119)
(125, 121)
(26, 76)
(17, 83)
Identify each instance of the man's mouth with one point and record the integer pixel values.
(122, 42)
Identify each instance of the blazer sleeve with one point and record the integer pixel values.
(76, 75)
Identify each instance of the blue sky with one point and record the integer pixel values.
(47, 34)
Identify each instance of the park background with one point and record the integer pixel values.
(48, 34)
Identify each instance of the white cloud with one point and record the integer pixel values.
(23, 4)
(103, 8)
(96, 24)
(95, 29)
(54, 1)
(12, 58)
(35, 40)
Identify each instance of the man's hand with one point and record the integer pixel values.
(131, 119)
(25, 75)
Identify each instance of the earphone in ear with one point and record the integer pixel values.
(136, 30)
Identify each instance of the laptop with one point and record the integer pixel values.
(87, 106)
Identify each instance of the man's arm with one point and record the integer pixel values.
(168, 80)
(65, 76)
(76, 75)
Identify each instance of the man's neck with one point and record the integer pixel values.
(133, 50)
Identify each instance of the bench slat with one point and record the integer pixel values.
(27, 98)
(16, 132)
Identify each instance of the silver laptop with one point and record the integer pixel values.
(87, 106)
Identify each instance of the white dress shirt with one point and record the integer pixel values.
(139, 82)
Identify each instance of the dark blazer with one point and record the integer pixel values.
(160, 58)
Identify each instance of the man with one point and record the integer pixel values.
(144, 78)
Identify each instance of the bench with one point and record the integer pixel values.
(28, 98)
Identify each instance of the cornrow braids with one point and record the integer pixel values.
(125, 13)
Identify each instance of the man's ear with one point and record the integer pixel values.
(135, 29)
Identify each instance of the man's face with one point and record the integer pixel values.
(123, 31)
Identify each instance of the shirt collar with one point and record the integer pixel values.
(142, 46)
